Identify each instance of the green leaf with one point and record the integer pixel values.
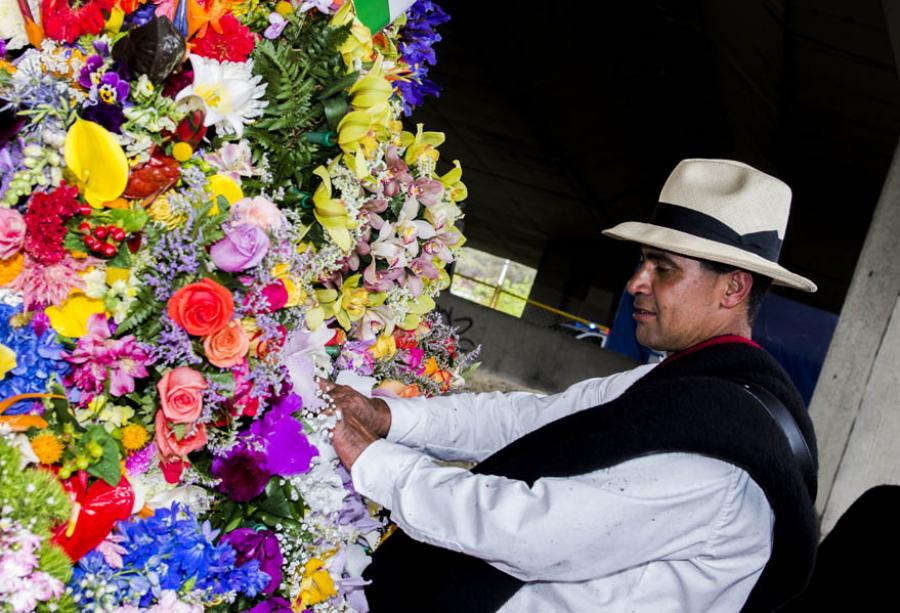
(275, 501)
(107, 467)
(224, 380)
(179, 430)
(339, 85)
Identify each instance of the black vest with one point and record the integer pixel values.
(687, 404)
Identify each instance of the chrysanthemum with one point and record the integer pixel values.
(47, 448)
(134, 437)
(230, 90)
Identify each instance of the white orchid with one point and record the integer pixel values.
(230, 91)
(398, 242)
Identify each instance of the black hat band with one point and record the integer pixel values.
(765, 243)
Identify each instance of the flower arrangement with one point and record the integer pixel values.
(205, 207)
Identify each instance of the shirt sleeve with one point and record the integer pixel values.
(470, 427)
(665, 506)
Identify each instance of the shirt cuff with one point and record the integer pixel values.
(407, 420)
(378, 468)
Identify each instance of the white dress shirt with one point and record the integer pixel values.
(671, 532)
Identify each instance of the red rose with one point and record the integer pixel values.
(181, 394)
(168, 445)
(201, 308)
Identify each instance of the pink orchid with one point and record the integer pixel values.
(399, 242)
(427, 191)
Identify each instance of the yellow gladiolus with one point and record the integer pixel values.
(317, 585)
(421, 144)
(97, 160)
(331, 212)
(70, 318)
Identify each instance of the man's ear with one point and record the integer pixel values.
(737, 289)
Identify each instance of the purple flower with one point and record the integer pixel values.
(112, 89)
(272, 605)
(90, 72)
(244, 246)
(288, 451)
(242, 472)
(110, 116)
(261, 546)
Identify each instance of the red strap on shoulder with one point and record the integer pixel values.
(716, 340)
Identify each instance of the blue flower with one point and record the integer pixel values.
(38, 358)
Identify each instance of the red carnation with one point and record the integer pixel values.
(231, 42)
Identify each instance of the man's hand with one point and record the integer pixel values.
(371, 413)
(361, 421)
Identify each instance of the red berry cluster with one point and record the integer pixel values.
(102, 239)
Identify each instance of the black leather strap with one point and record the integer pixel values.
(788, 425)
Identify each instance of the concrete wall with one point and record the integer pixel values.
(531, 356)
(856, 405)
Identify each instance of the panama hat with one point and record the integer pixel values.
(723, 211)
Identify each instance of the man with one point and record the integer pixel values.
(673, 487)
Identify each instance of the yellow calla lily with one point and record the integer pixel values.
(331, 212)
(7, 360)
(453, 183)
(97, 160)
(70, 318)
(421, 144)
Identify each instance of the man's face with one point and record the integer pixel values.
(676, 300)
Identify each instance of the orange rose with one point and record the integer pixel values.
(168, 445)
(201, 308)
(228, 345)
(181, 394)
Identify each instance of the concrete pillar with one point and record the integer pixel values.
(856, 405)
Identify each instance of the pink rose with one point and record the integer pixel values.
(257, 211)
(12, 232)
(244, 246)
(167, 444)
(181, 394)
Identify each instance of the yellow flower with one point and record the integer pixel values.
(47, 448)
(160, 211)
(317, 585)
(384, 347)
(455, 187)
(182, 151)
(223, 185)
(372, 92)
(97, 160)
(134, 437)
(358, 136)
(421, 144)
(331, 212)
(7, 360)
(70, 318)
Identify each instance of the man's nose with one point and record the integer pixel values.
(639, 283)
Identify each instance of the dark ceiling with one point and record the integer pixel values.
(568, 116)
